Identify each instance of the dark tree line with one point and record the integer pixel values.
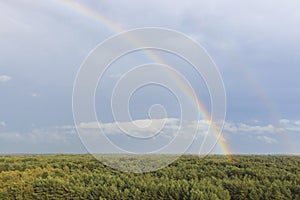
(190, 177)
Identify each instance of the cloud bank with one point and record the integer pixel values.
(63, 136)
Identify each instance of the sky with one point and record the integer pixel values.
(255, 46)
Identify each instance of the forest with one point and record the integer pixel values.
(189, 177)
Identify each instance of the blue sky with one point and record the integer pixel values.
(255, 46)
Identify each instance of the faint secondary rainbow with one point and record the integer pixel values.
(93, 15)
(261, 95)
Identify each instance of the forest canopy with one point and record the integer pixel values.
(190, 177)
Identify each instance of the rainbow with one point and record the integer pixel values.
(115, 28)
(261, 95)
(199, 105)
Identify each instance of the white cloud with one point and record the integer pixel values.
(35, 95)
(256, 129)
(136, 128)
(230, 127)
(267, 139)
(144, 127)
(289, 125)
(5, 78)
(171, 133)
(41, 140)
(284, 121)
(11, 136)
(284, 126)
(40, 135)
(245, 128)
(170, 126)
(62, 136)
(293, 129)
(2, 124)
(147, 127)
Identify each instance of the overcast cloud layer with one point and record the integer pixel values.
(255, 44)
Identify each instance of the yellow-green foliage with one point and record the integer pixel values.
(190, 177)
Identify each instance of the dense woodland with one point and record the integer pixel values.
(190, 177)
